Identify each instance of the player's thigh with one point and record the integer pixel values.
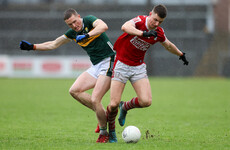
(84, 82)
(116, 90)
(143, 90)
(101, 87)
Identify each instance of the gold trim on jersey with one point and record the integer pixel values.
(87, 41)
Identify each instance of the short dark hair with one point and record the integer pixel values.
(160, 10)
(69, 12)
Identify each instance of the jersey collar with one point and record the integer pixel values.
(146, 23)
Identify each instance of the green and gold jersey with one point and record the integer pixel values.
(97, 47)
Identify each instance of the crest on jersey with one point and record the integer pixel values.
(86, 29)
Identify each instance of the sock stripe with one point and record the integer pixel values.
(111, 116)
(129, 105)
(133, 103)
(125, 105)
(137, 103)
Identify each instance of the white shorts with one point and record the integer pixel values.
(104, 67)
(123, 72)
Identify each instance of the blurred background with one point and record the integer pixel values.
(198, 28)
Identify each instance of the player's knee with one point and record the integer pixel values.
(95, 101)
(146, 102)
(71, 91)
(74, 92)
(114, 105)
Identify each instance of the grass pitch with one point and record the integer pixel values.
(186, 113)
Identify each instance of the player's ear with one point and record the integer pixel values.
(79, 16)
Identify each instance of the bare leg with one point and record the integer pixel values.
(101, 87)
(143, 90)
(116, 91)
(83, 83)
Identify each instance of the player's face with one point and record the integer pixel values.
(74, 22)
(154, 20)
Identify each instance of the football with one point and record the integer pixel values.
(131, 134)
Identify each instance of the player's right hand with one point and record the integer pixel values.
(24, 45)
(150, 33)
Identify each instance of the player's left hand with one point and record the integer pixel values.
(82, 37)
(183, 58)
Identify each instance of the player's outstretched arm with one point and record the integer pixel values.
(24, 45)
(168, 45)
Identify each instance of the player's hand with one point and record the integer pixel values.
(150, 33)
(183, 58)
(24, 45)
(82, 37)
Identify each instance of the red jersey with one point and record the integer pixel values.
(131, 49)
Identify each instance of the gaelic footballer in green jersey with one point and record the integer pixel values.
(97, 47)
(89, 33)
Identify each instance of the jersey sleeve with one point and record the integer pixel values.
(90, 19)
(137, 21)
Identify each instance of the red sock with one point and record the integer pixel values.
(133, 103)
(111, 116)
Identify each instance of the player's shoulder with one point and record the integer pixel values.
(160, 34)
(90, 18)
(160, 29)
(70, 33)
(140, 18)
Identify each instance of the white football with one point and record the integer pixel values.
(131, 134)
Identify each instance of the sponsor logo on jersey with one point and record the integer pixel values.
(140, 44)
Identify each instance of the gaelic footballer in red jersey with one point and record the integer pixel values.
(131, 49)
(139, 34)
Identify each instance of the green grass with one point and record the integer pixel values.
(186, 113)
